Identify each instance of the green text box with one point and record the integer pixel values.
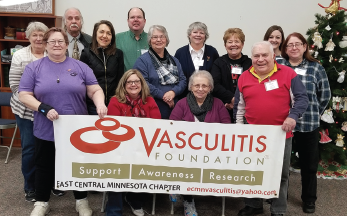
(236, 177)
(100, 171)
(165, 173)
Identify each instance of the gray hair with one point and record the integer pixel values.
(159, 28)
(35, 26)
(72, 8)
(201, 73)
(198, 26)
(262, 43)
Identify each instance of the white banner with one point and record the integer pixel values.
(164, 156)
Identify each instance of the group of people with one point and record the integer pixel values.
(68, 72)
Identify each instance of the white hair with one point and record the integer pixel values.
(262, 43)
(35, 26)
(198, 26)
(201, 73)
(64, 17)
(159, 28)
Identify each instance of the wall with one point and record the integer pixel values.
(254, 17)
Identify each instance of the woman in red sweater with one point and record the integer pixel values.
(132, 99)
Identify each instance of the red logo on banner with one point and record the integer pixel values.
(114, 140)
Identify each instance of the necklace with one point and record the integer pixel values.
(58, 81)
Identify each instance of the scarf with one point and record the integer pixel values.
(200, 111)
(136, 106)
(167, 72)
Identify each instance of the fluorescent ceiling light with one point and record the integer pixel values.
(5, 3)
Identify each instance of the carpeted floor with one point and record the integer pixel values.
(332, 197)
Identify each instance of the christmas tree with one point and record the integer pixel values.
(328, 44)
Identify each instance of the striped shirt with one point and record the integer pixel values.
(20, 59)
(318, 90)
(131, 47)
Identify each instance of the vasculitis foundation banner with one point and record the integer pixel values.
(164, 156)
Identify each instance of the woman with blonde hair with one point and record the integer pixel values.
(132, 99)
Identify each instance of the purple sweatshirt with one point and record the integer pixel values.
(218, 113)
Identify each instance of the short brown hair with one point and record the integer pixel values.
(53, 30)
(121, 87)
(234, 31)
(139, 9)
(306, 54)
(111, 49)
(270, 30)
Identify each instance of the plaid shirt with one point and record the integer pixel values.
(318, 91)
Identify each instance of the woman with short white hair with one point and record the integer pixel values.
(162, 72)
(199, 106)
(197, 55)
(24, 116)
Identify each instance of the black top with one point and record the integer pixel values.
(225, 83)
(108, 77)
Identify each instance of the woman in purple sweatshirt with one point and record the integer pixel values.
(199, 106)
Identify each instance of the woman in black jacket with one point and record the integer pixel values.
(227, 69)
(105, 60)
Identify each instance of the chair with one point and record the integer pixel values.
(5, 98)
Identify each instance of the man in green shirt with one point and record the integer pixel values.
(133, 43)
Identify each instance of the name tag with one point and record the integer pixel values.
(271, 85)
(300, 71)
(198, 62)
(236, 70)
(143, 51)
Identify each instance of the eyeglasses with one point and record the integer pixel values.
(297, 45)
(136, 82)
(53, 42)
(155, 37)
(201, 86)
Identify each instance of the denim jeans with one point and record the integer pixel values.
(306, 144)
(28, 150)
(114, 205)
(279, 204)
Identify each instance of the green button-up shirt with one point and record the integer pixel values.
(131, 47)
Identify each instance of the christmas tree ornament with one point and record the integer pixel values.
(330, 58)
(324, 136)
(339, 140)
(330, 46)
(333, 7)
(341, 75)
(337, 101)
(329, 16)
(341, 60)
(311, 51)
(344, 126)
(317, 39)
(316, 54)
(328, 27)
(344, 104)
(343, 42)
(327, 116)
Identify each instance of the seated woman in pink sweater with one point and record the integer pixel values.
(199, 106)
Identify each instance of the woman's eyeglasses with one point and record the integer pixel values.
(136, 82)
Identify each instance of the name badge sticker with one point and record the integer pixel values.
(143, 51)
(300, 71)
(198, 62)
(236, 70)
(271, 85)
